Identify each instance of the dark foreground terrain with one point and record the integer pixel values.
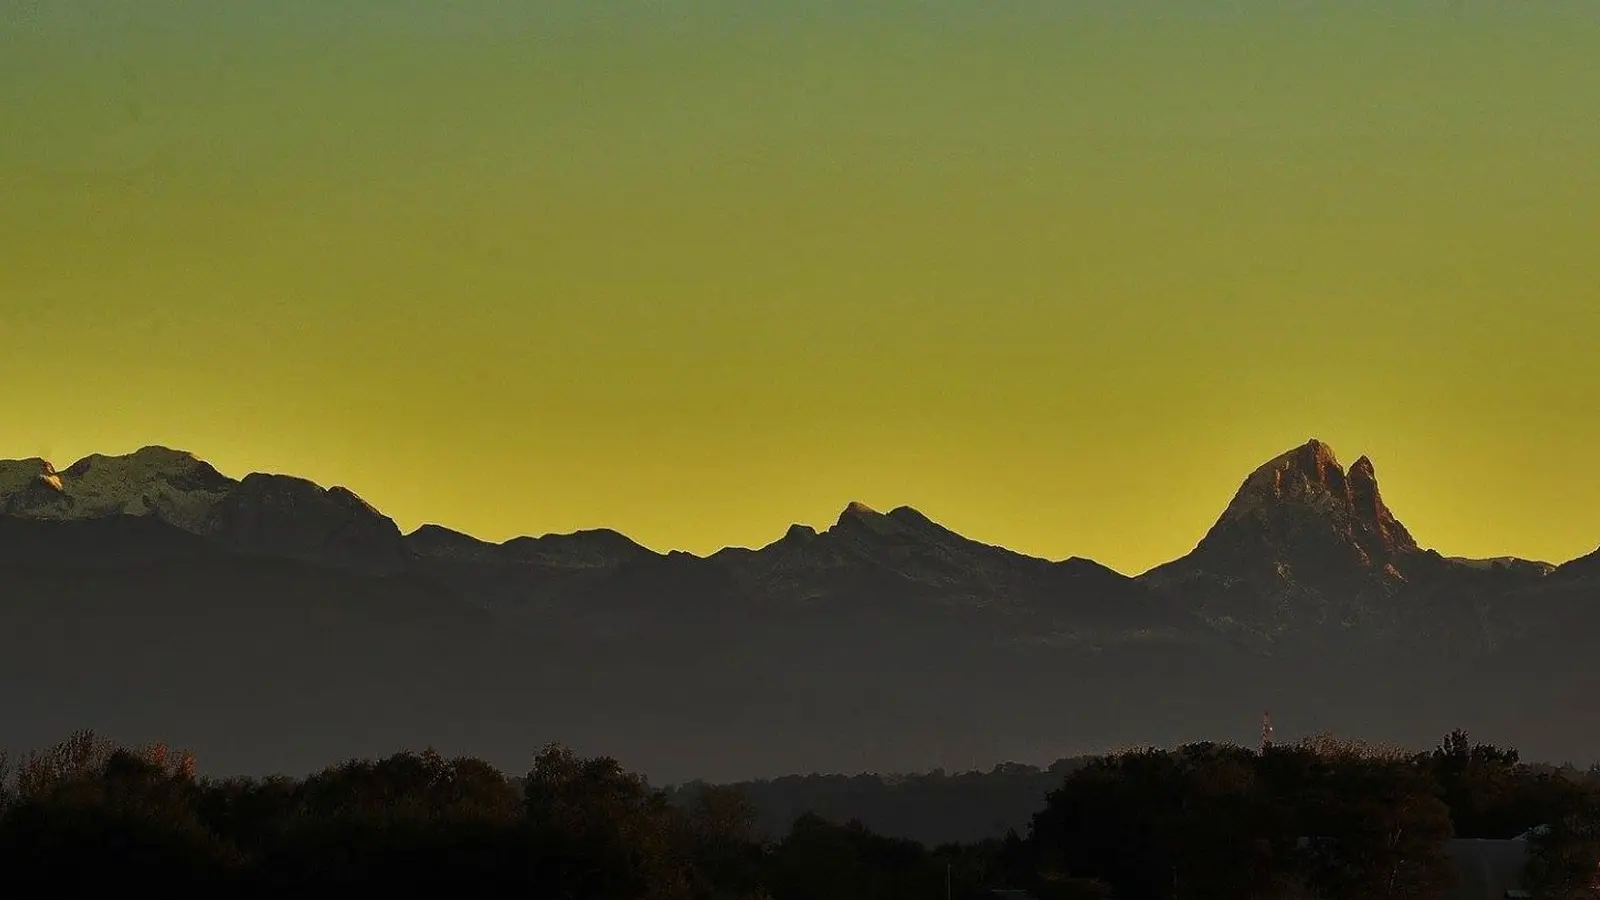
(1318, 819)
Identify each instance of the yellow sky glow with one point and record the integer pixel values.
(1057, 275)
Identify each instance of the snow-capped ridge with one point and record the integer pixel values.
(169, 484)
(266, 514)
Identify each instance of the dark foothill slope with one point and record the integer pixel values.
(292, 518)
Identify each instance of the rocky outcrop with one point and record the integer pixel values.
(1305, 548)
(32, 488)
(1303, 509)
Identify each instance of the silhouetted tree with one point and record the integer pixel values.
(1377, 830)
(826, 859)
(727, 846)
(413, 822)
(1490, 795)
(1157, 824)
(599, 832)
(86, 817)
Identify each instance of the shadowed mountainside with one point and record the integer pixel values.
(150, 594)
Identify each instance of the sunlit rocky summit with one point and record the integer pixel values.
(1308, 548)
(274, 515)
(151, 593)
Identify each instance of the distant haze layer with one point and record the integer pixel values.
(1057, 270)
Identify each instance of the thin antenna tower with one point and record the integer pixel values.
(1266, 729)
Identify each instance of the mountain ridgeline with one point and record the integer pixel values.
(272, 623)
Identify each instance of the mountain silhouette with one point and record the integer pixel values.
(273, 623)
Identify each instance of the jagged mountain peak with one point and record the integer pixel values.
(1285, 495)
(1303, 542)
(1308, 473)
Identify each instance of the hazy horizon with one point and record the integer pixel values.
(1057, 274)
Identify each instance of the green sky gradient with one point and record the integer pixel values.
(1058, 274)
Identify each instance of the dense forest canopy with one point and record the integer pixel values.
(1320, 818)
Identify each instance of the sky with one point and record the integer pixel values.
(1059, 274)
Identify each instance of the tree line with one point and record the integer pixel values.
(932, 808)
(1316, 819)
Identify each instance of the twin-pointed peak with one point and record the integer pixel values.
(857, 510)
(859, 518)
(1304, 499)
(1304, 529)
(1301, 474)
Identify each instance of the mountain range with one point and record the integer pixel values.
(275, 625)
